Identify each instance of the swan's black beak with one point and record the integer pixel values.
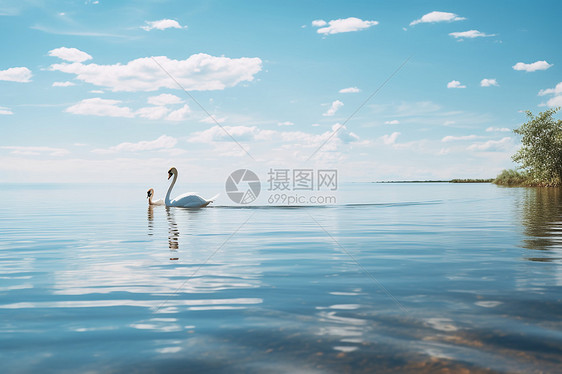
(169, 175)
(148, 193)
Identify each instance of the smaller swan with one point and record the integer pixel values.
(187, 200)
(149, 195)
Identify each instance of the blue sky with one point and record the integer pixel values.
(85, 93)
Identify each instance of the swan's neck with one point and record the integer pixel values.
(167, 200)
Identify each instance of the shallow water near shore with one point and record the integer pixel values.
(393, 278)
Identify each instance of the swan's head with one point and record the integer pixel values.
(172, 171)
(149, 193)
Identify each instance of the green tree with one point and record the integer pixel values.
(541, 152)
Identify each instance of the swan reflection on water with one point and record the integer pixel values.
(173, 234)
(150, 218)
(173, 228)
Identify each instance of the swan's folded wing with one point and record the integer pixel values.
(184, 195)
(189, 201)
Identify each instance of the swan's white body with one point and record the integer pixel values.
(149, 195)
(187, 200)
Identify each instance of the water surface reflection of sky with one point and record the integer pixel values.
(428, 278)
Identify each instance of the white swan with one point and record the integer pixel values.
(187, 200)
(149, 195)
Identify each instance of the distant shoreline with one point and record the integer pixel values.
(444, 181)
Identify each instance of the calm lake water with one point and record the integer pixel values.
(395, 278)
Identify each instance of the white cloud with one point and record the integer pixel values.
(337, 26)
(455, 84)
(350, 90)
(390, 139)
(100, 107)
(63, 84)
(344, 135)
(319, 23)
(437, 17)
(164, 99)
(286, 123)
(552, 91)
(36, 151)
(488, 82)
(497, 129)
(70, 54)
(97, 91)
(198, 72)
(491, 145)
(293, 138)
(5, 111)
(470, 34)
(214, 119)
(556, 101)
(152, 112)
(218, 134)
(393, 122)
(448, 123)
(537, 65)
(451, 138)
(333, 108)
(180, 114)
(19, 74)
(162, 24)
(163, 142)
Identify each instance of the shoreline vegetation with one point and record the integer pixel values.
(489, 180)
(509, 178)
(540, 156)
(516, 178)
